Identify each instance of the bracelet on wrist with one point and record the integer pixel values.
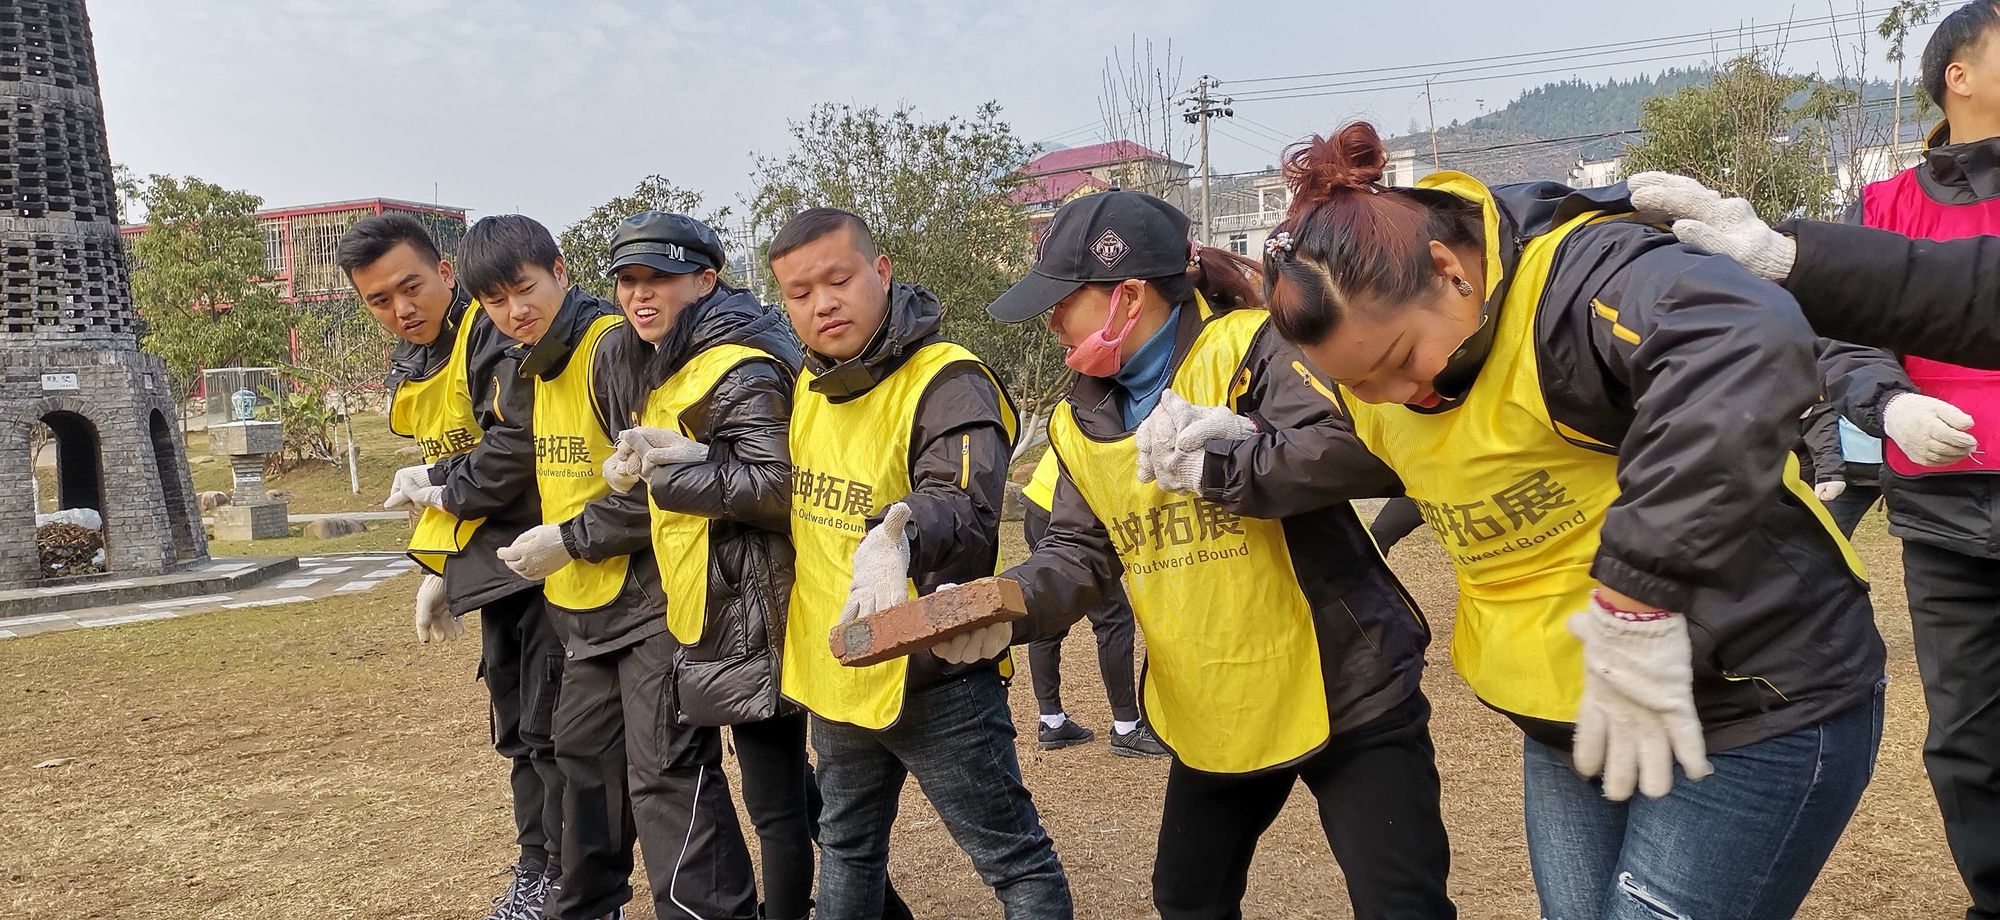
(1629, 616)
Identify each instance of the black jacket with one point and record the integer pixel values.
(475, 577)
(1959, 512)
(1371, 638)
(962, 418)
(501, 473)
(731, 675)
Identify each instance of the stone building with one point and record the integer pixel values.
(69, 337)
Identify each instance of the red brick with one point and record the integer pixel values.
(921, 623)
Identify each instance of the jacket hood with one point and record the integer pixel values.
(1965, 173)
(726, 317)
(1512, 215)
(915, 317)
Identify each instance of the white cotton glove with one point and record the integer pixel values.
(658, 447)
(979, 645)
(537, 553)
(1157, 432)
(1707, 221)
(1637, 716)
(881, 567)
(621, 470)
(1830, 489)
(1178, 468)
(434, 619)
(1931, 431)
(407, 484)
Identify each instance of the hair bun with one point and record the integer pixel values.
(1319, 168)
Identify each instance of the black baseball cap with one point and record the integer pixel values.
(673, 243)
(1106, 237)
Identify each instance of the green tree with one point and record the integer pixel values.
(1744, 135)
(341, 353)
(1904, 16)
(199, 282)
(937, 194)
(586, 245)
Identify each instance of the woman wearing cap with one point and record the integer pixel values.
(707, 438)
(1279, 646)
(1598, 422)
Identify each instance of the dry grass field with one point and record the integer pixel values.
(314, 762)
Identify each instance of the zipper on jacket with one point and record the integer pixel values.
(964, 461)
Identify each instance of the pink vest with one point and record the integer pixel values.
(1900, 204)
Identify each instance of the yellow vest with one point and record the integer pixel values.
(1041, 489)
(680, 541)
(1233, 681)
(437, 412)
(571, 445)
(1516, 497)
(851, 460)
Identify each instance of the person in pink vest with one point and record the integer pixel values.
(1943, 493)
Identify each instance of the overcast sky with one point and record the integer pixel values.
(548, 108)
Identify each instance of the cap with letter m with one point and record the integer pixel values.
(672, 243)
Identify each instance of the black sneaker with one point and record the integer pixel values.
(523, 898)
(1068, 734)
(1139, 742)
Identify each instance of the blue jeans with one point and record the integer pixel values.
(957, 739)
(1744, 844)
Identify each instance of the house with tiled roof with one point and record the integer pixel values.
(1061, 176)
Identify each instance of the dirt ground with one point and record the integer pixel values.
(313, 761)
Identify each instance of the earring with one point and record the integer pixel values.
(1464, 287)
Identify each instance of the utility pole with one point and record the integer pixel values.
(1205, 108)
(1430, 105)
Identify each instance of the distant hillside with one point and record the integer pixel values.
(1568, 109)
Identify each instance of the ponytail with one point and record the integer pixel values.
(1226, 280)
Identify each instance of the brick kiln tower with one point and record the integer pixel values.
(69, 337)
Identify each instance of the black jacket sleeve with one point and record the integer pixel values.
(1071, 568)
(1305, 455)
(1821, 434)
(1720, 366)
(958, 475)
(1861, 380)
(618, 524)
(1940, 300)
(746, 424)
(497, 473)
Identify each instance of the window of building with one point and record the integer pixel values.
(274, 246)
(1239, 243)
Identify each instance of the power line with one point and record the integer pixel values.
(1642, 44)
(1500, 76)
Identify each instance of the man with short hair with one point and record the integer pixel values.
(900, 442)
(444, 394)
(1943, 498)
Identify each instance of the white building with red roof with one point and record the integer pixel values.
(1060, 176)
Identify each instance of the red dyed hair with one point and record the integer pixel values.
(1353, 237)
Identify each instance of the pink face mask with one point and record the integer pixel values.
(1098, 355)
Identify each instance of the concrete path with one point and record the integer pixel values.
(318, 577)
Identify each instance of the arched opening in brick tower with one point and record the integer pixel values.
(167, 458)
(79, 466)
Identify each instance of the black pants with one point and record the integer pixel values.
(1398, 517)
(521, 661)
(1852, 505)
(1377, 787)
(893, 907)
(1955, 615)
(1111, 620)
(616, 733)
(776, 778)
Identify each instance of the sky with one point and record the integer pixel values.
(548, 108)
